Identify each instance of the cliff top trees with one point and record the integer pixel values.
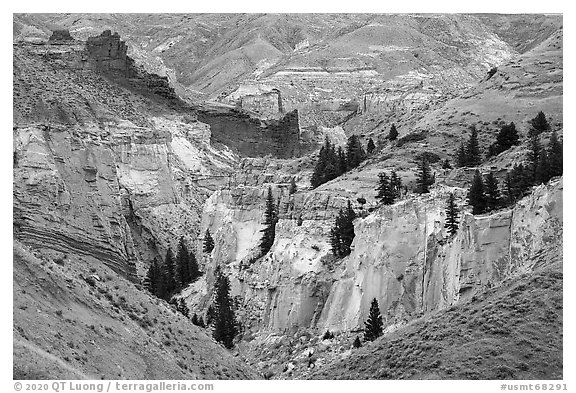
(342, 233)
(270, 219)
(476, 196)
(506, 138)
(389, 188)
(224, 320)
(424, 177)
(555, 155)
(354, 152)
(327, 167)
(492, 193)
(334, 162)
(451, 215)
(373, 326)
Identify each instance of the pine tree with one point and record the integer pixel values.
(224, 320)
(542, 174)
(183, 277)
(208, 245)
(373, 326)
(518, 181)
(270, 219)
(195, 272)
(476, 196)
(293, 188)
(385, 192)
(342, 166)
(393, 133)
(168, 275)
(461, 157)
(370, 147)
(328, 166)
(539, 124)
(473, 157)
(534, 153)
(152, 281)
(446, 164)
(451, 215)
(357, 343)
(396, 185)
(555, 158)
(492, 192)
(354, 152)
(506, 138)
(342, 233)
(424, 177)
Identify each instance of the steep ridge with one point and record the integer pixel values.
(74, 318)
(98, 165)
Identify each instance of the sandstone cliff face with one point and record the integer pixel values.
(97, 194)
(401, 255)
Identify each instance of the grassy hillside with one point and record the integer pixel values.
(511, 332)
(73, 320)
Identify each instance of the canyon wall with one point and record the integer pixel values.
(401, 255)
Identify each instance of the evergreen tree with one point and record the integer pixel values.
(542, 174)
(393, 133)
(153, 277)
(518, 181)
(374, 326)
(424, 177)
(451, 215)
(270, 219)
(473, 149)
(461, 157)
(208, 245)
(168, 275)
(539, 124)
(183, 277)
(342, 166)
(195, 272)
(357, 343)
(224, 321)
(555, 158)
(385, 192)
(370, 147)
(211, 311)
(342, 233)
(293, 188)
(446, 164)
(492, 192)
(534, 153)
(476, 196)
(396, 185)
(354, 152)
(506, 138)
(328, 166)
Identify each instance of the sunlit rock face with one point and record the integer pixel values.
(402, 255)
